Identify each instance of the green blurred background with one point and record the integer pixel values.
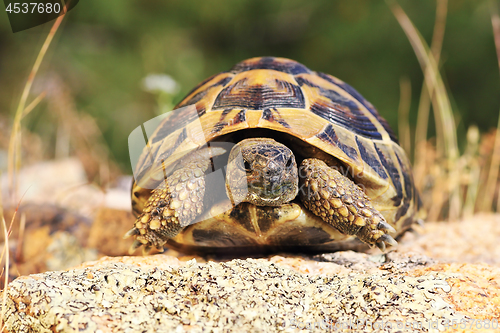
(104, 50)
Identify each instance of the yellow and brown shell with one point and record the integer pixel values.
(312, 112)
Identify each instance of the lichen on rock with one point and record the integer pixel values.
(114, 295)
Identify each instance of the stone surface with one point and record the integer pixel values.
(62, 220)
(473, 239)
(48, 181)
(436, 275)
(46, 237)
(164, 294)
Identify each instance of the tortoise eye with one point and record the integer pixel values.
(289, 162)
(247, 166)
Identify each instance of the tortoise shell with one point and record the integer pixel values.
(314, 114)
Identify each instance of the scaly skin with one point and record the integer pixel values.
(341, 203)
(263, 172)
(175, 203)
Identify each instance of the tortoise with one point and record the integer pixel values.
(271, 156)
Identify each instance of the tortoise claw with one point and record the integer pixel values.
(135, 245)
(146, 249)
(381, 245)
(386, 227)
(386, 239)
(420, 222)
(132, 232)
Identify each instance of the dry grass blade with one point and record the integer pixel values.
(491, 182)
(404, 114)
(433, 81)
(425, 96)
(472, 170)
(436, 45)
(34, 103)
(80, 131)
(14, 154)
(445, 123)
(20, 239)
(6, 272)
(5, 250)
(495, 22)
(7, 264)
(15, 137)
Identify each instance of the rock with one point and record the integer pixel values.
(432, 281)
(46, 181)
(63, 183)
(108, 228)
(474, 239)
(50, 238)
(62, 220)
(163, 294)
(54, 238)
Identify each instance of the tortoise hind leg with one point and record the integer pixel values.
(342, 203)
(175, 203)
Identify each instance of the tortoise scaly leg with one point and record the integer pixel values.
(341, 203)
(175, 203)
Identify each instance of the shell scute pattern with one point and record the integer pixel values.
(260, 95)
(282, 93)
(205, 92)
(366, 151)
(320, 110)
(393, 171)
(339, 109)
(277, 64)
(273, 115)
(354, 93)
(330, 136)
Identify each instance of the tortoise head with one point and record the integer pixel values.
(261, 171)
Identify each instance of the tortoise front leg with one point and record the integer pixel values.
(341, 203)
(175, 203)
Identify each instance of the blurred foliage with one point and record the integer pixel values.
(105, 49)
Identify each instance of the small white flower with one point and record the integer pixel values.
(160, 83)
